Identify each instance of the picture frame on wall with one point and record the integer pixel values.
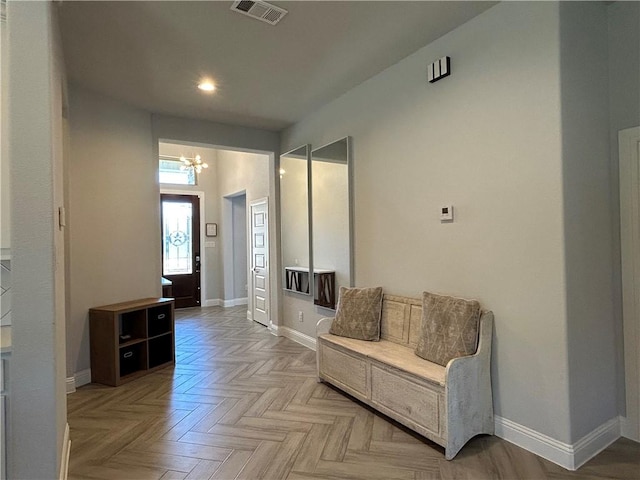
(212, 230)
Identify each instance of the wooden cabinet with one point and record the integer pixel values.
(131, 339)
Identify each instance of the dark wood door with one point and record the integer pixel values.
(180, 225)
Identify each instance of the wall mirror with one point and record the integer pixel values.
(331, 219)
(294, 220)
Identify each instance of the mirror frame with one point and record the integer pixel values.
(350, 207)
(307, 148)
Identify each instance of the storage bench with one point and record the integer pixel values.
(448, 405)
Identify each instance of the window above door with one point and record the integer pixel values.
(170, 172)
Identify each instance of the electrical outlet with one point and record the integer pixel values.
(300, 316)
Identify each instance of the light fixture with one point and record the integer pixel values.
(206, 86)
(195, 163)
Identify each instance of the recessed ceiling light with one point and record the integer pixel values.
(206, 86)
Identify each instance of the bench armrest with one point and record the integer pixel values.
(468, 385)
(323, 326)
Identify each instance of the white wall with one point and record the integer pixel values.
(5, 211)
(624, 112)
(5, 197)
(239, 215)
(487, 139)
(587, 216)
(37, 369)
(211, 133)
(113, 214)
(248, 173)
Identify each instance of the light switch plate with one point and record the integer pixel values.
(446, 213)
(439, 69)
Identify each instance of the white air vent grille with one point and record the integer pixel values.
(259, 10)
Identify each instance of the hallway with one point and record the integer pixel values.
(244, 404)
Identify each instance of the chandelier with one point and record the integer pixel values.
(196, 164)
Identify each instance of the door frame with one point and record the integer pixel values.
(203, 249)
(252, 307)
(629, 166)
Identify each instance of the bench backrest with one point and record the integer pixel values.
(401, 320)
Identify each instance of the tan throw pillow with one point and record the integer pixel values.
(358, 313)
(449, 328)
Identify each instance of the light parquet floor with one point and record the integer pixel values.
(244, 404)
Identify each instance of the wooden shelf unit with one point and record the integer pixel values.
(297, 280)
(131, 339)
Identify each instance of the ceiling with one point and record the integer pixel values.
(152, 54)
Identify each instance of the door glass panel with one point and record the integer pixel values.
(176, 234)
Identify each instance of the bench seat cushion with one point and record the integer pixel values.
(398, 356)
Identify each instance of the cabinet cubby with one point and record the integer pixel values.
(160, 320)
(131, 339)
(297, 280)
(160, 349)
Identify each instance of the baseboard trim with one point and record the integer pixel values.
(66, 452)
(235, 302)
(71, 384)
(212, 302)
(83, 377)
(596, 441)
(566, 455)
(298, 337)
(628, 430)
(273, 329)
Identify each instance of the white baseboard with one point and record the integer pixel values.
(566, 455)
(71, 385)
(234, 302)
(297, 336)
(66, 451)
(212, 302)
(594, 442)
(273, 329)
(629, 430)
(81, 378)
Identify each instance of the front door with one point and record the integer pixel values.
(260, 261)
(180, 220)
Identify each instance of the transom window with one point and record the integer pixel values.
(172, 171)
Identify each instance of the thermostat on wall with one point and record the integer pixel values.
(446, 213)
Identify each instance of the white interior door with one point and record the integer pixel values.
(259, 227)
(629, 143)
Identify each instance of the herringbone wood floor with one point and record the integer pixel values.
(243, 404)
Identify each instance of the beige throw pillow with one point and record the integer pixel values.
(358, 313)
(449, 328)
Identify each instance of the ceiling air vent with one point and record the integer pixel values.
(259, 10)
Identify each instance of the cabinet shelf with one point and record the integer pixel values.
(161, 335)
(148, 328)
(133, 341)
